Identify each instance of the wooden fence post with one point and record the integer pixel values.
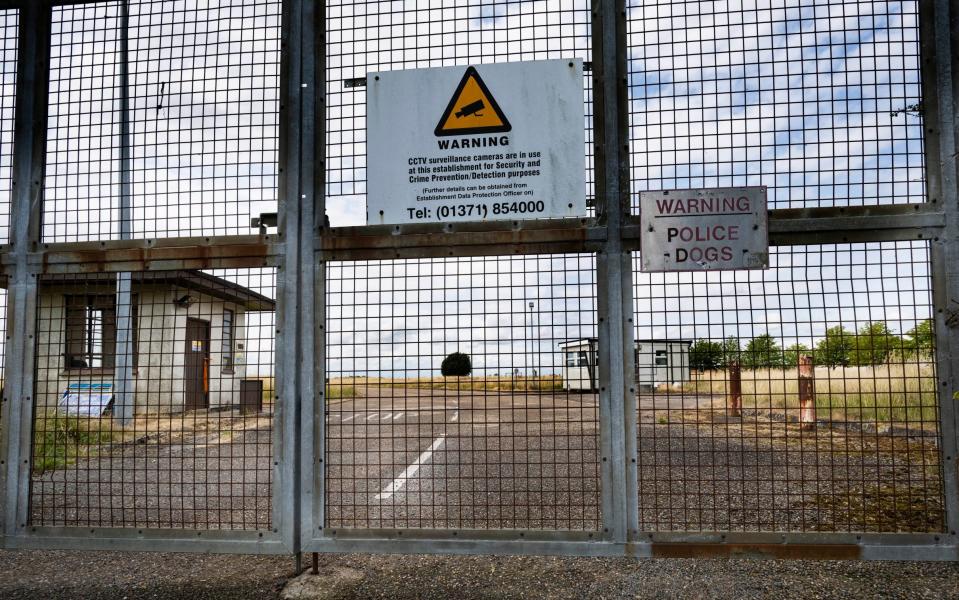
(734, 404)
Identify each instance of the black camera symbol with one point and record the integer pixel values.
(471, 109)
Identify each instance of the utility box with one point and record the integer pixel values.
(251, 396)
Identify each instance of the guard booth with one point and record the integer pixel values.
(580, 365)
(662, 362)
(658, 362)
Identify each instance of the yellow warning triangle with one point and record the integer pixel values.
(472, 109)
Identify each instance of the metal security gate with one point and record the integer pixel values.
(167, 168)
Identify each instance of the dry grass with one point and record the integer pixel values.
(543, 383)
(61, 440)
(898, 393)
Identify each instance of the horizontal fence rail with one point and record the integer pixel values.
(207, 348)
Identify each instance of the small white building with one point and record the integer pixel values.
(580, 365)
(187, 339)
(657, 362)
(662, 362)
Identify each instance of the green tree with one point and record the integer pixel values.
(456, 364)
(791, 354)
(835, 350)
(731, 350)
(874, 343)
(922, 337)
(762, 352)
(705, 355)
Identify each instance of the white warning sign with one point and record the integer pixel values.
(476, 143)
(704, 229)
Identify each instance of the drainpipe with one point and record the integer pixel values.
(123, 383)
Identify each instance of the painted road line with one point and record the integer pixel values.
(398, 415)
(372, 416)
(398, 483)
(350, 418)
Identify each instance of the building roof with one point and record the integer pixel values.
(197, 281)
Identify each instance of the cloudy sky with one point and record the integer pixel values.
(803, 97)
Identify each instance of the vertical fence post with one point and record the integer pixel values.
(614, 282)
(25, 213)
(302, 160)
(734, 403)
(294, 91)
(938, 22)
(123, 365)
(807, 392)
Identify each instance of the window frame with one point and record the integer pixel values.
(80, 327)
(228, 358)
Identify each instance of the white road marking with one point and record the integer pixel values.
(398, 483)
(398, 415)
(372, 416)
(456, 416)
(351, 418)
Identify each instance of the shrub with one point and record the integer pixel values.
(456, 364)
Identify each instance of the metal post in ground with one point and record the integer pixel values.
(123, 352)
(807, 392)
(734, 403)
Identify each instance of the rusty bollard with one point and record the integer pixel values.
(807, 393)
(734, 404)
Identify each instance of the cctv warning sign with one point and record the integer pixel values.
(476, 143)
(704, 229)
(472, 109)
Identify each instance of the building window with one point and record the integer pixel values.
(91, 331)
(661, 360)
(576, 359)
(228, 328)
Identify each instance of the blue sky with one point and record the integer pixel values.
(797, 96)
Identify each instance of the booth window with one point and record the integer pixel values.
(91, 331)
(661, 360)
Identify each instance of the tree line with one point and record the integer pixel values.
(875, 343)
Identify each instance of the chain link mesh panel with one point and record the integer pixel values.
(203, 102)
(819, 102)
(802, 398)
(450, 397)
(188, 356)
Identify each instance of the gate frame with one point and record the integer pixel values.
(305, 244)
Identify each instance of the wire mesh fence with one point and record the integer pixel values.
(366, 37)
(820, 103)
(463, 393)
(201, 104)
(8, 94)
(802, 398)
(450, 403)
(154, 400)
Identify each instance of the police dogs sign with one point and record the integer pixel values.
(704, 229)
(476, 143)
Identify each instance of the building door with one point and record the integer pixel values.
(196, 364)
(661, 366)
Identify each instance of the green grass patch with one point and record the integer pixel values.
(60, 440)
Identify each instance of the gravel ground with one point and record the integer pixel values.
(45, 575)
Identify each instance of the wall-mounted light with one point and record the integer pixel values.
(184, 301)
